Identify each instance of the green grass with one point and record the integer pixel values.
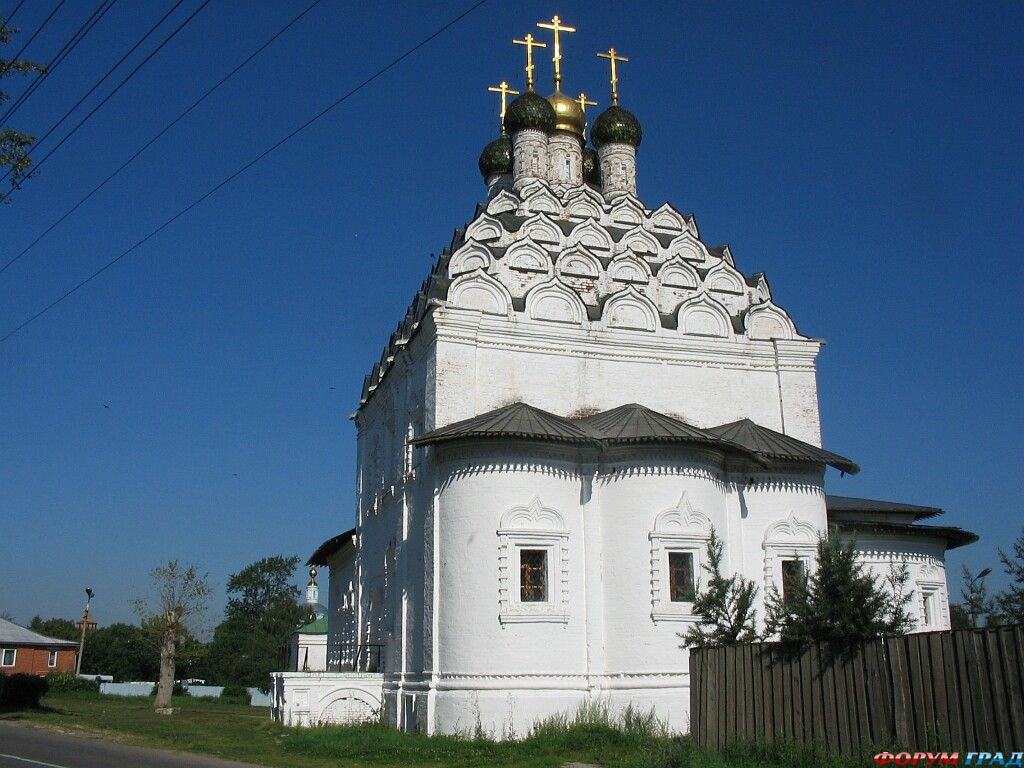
(244, 733)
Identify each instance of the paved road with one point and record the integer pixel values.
(25, 747)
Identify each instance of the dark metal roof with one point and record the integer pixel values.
(518, 420)
(329, 547)
(626, 424)
(633, 423)
(851, 504)
(955, 537)
(773, 445)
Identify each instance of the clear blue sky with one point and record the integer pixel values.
(866, 156)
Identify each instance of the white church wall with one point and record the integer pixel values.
(484, 362)
(926, 562)
(489, 643)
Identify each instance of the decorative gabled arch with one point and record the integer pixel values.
(482, 292)
(630, 310)
(688, 247)
(541, 229)
(592, 235)
(583, 202)
(503, 202)
(668, 218)
(791, 530)
(538, 197)
(533, 516)
(627, 211)
(555, 302)
(724, 279)
(578, 262)
(526, 256)
(703, 316)
(485, 228)
(677, 273)
(627, 268)
(640, 240)
(767, 321)
(683, 520)
(470, 257)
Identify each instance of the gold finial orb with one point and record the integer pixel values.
(568, 113)
(312, 574)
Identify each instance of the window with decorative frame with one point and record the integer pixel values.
(790, 552)
(533, 565)
(678, 543)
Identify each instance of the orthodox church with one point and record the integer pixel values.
(581, 391)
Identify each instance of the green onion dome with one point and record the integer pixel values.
(616, 126)
(496, 158)
(530, 111)
(591, 167)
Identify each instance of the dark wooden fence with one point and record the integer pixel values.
(961, 690)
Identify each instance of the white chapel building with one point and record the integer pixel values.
(581, 390)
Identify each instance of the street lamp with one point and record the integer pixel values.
(86, 622)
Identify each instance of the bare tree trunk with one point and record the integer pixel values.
(165, 686)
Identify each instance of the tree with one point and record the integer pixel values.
(62, 629)
(263, 611)
(726, 607)
(840, 601)
(182, 594)
(14, 145)
(978, 606)
(1011, 600)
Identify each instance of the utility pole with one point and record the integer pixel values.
(86, 622)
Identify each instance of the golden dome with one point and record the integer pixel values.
(568, 113)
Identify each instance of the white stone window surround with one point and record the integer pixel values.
(931, 586)
(789, 539)
(680, 528)
(533, 526)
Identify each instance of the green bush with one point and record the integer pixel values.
(21, 691)
(177, 690)
(68, 682)
(236, 693)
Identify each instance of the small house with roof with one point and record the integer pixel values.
(25, 651)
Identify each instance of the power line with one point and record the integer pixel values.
(165, 129)
(28, 42)
(12, 14)
(329, 108)
(69, 46)
(107, 74)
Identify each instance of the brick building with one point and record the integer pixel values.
(22, 650)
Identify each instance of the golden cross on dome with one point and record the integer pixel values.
(613, 57)
(530, 44)
(556, 26)
(505, 92)
(584, 103)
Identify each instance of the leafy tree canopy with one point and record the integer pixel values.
(263, 611)
(62, 629)
(14, 145)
